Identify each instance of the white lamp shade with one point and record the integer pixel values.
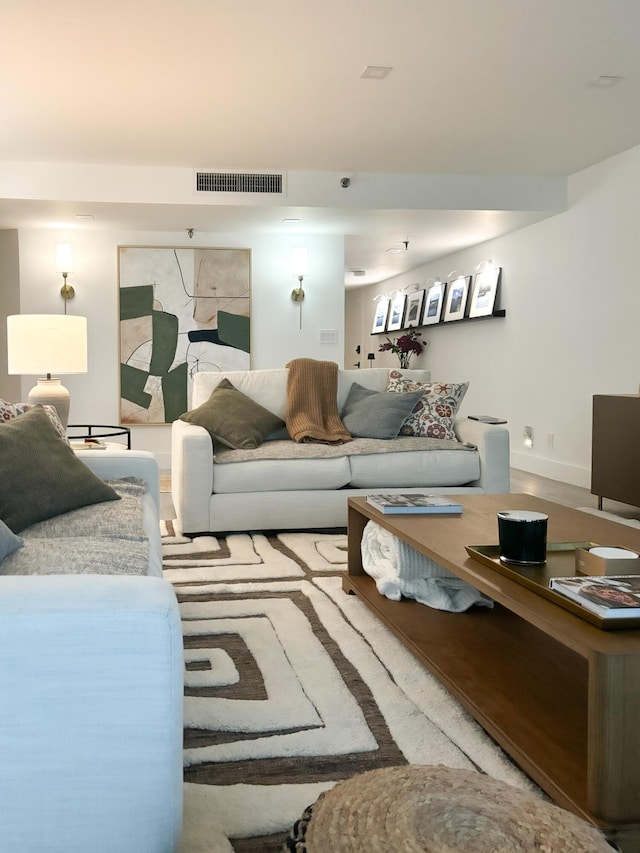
(64, 258)
(46, 343)
(299, 261)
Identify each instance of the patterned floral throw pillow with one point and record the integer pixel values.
(8, 411)
(434, 414)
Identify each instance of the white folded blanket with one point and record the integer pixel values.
(400, 570)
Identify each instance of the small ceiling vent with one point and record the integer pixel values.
(239, 182)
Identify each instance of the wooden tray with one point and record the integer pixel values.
(561, 563)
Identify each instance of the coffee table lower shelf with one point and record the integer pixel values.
(532, 699)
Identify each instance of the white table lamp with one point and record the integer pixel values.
(47, 344)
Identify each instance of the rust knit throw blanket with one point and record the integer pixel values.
(312, 406)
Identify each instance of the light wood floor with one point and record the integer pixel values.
(566, 494)
(521, 481)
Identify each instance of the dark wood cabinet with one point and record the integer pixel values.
(615, 448)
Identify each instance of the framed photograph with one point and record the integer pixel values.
(413, 312)
(380, 318)
(182, 310)
(484, 292)
(433, 303)
(396, 312)
(457, 293)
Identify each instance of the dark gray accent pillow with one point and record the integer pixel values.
(375, 414)
(9, 542)
(233, 419)
(40, 476)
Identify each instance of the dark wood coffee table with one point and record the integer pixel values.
(560, 695)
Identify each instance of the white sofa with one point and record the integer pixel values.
(91, 678)
(307, 486)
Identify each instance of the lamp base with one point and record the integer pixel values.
(51, 392)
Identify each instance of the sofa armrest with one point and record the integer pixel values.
(91, 679)
(191, 476)
(114, 464)
(492, 442)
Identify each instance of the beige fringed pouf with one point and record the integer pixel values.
(438, 810)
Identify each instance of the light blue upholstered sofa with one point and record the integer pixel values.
(91, 679)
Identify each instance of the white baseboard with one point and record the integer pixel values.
(561, 471)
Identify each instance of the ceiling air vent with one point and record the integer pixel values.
(238, 182)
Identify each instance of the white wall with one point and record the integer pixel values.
(571, 290)
(9, 304)
(276, 337)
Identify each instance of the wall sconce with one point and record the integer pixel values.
(299, 268)
(64, 265)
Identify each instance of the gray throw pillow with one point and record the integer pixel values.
(233, 419)
(375, 414)
(40, 476)
(9, 542)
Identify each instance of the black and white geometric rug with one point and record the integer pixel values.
(293, 685)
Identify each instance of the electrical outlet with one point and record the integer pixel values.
(550, 440)
(527, 435)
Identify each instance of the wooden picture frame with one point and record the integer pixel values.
(484, 292)
(182, 310)
(457, 295)
(396, 312)
(413, 310)
(380, 317)
(433, 303)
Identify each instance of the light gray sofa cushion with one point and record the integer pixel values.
(373, 414)
(269, 475)
(425, 468)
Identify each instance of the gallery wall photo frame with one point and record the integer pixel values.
(413, 309)
(181, 310)
(484, 292)
(396, 312)
(380, 317)
(457, 295)
(433, 302)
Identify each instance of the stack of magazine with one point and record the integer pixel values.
(425, 504)
(87, 444)
(610, 597)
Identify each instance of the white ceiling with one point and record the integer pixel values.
(489, 88)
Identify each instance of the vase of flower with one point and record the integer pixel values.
(404, 347)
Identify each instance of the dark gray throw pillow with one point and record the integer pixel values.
(233, 419)
(375, 414)
(40, 476)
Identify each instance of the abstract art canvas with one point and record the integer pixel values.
(182, 310)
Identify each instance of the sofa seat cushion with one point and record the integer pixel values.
(278, 475)
(422, 468)
(91, 555)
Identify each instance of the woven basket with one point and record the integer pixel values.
(424, 809)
